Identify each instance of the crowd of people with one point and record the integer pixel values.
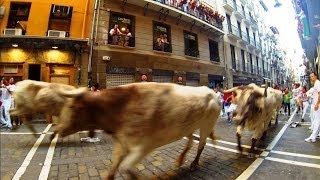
(197, 9)
(6, 103)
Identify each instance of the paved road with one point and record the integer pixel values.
(283, 155)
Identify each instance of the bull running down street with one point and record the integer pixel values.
(283, 155)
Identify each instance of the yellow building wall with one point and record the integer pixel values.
(37, 24)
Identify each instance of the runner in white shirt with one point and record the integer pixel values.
(6, 105)
(315, 102)
(296, 92)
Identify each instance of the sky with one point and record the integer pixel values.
(284, 19)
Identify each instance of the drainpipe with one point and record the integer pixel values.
(91, 42)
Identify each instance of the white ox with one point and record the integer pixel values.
(141, 117)
(256, 107)
(38, 97)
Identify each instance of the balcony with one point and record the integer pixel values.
(260, 72)
(258, 47)
(229, 5)
(252, 43)
(238, 67)
(244, 39)
(244, 2)
(234, 32)
(239, 12)
(248, 68)
(213, 23)
(254, 24)
(246, 19)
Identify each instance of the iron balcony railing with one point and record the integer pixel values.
(240, 10)
(244, 36)
(252, 41)
(249, 68)
(234, 30)
(238, 65)
(258, 46)
(231, 3)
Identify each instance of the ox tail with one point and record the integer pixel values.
(73, 93)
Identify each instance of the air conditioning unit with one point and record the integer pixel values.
(12, 32)
(2, 11)
(54, 33)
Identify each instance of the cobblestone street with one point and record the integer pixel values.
(31, 157)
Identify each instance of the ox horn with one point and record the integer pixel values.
(265, 90)
(230, 90)
(73, 93)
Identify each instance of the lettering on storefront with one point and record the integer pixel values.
(120, 70)
(124, 20)
(161, 29)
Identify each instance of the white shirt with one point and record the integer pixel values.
(316, 90)
(5, 94)
(296, 93)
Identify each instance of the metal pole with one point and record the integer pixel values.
(91, 42)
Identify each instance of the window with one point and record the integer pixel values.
(121, 30)
(19, 15)
(248, 35)
(60, 18)
(251, 62)
(161, 37)
(243, 60)
(233, 57)
(254, 38)
(229, 23)
(191, 44)
(239, 28)
(214, 51)
(257, 64)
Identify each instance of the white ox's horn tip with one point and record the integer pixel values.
(73, 93)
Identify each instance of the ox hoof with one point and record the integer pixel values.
(250, 155)
(110, 177)
(179, 161)
(193, 166)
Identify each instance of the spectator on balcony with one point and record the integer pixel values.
(127, 37)
(115, 33)
(162, 43)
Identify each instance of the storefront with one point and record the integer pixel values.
(162, 76)
(215, 81)
(192, 79)
(117, 76)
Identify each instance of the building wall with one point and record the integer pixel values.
(54, 63)
(143, 55)
(238, 45)
(38, 20)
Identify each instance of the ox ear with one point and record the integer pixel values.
(73, 93)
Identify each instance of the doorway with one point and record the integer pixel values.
(34, 72)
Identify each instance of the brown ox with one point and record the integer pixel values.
(256, 107)
(38, 97)
(141, 117)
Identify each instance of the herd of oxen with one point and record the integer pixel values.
(141, 117)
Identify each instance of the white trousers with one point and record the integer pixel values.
(305, 108)
(311, 114)
(316, 124)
